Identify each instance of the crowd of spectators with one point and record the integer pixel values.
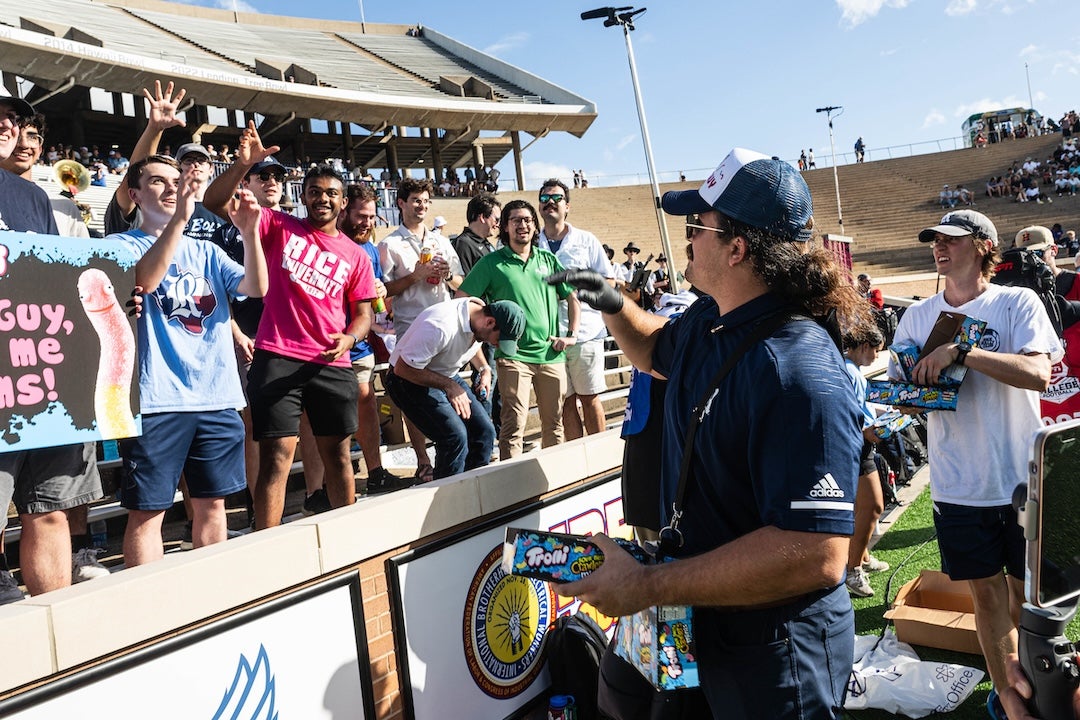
(262, 182)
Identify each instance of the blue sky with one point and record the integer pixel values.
(715, 75)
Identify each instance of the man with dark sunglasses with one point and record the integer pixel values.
(579, 250)
(761, 535)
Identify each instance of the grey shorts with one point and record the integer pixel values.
(48, 479)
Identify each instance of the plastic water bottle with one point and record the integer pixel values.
(99, 534)
(561, 707)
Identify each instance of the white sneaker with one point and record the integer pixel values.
(85, 565)
(9, 589)
(857, 584)
(873, 565)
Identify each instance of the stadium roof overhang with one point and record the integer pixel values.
(52, 61)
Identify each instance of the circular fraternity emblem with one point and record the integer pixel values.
(505, 623)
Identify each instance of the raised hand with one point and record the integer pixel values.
(163, 106)
(250, 149)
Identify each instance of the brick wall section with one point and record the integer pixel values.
(379, 626)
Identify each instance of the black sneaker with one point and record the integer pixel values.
(317, 502)
(380, 480)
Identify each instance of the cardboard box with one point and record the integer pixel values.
(934, 611)
(887, 392)
(659, 642)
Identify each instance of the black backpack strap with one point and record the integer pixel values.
(670, 537)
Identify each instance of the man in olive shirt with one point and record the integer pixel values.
(516, 272)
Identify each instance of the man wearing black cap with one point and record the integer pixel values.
(978, 454)
(624, 271)
(761, 536)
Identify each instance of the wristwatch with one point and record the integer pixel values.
(962, 350)
(355, 339)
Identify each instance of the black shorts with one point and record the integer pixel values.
(976, 542)
(866, 459)
(280, 387)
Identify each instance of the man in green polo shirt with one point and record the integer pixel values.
(516, 272)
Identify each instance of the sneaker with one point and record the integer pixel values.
(9, 588)
(380, 480)
(872, 565)
(185, 538)
(317, 502)
(857, 584)
(85, 565)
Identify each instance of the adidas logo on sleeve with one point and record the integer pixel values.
(826, 494)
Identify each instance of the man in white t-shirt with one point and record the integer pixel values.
(979, 453)
(577, 249)
(425, 383)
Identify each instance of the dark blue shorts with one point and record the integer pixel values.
(791, 661)
(208, 447)
(976, 542)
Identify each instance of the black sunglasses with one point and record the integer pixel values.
(266, 175)
(555, 198)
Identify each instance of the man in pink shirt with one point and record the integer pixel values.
(301, 358)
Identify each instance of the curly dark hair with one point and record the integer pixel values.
(810, 279)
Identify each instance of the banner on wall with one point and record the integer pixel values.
(259, 664)
(68, 369)
(473, 633)
(1061, 400)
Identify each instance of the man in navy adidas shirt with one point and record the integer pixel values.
(764, 529)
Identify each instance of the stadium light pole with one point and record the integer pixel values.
(832, 143)
(624, 18)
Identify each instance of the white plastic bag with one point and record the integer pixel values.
(890, 677)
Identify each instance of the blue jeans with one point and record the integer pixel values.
(459, 444)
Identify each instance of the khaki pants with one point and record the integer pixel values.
(548, 381)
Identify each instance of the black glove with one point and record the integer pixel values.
(591, 288)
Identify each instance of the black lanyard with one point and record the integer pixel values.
(671, 538)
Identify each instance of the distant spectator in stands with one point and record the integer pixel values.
(98, 173)
(474, 241)
(438, 224)
(802, 160)
(470, 181)
(584, 180)
(992, 187)
(1062, 183)
(1030, 165)
(1072, 242)
(52, 156)
(965, 196)
(224, 155)
(810, 164)
(872, 294)
(190, 423)
(860, 150)
(980, 140)
(610, 252)
(577, 179)
(624, 271)
(947, 198)
(118, 164)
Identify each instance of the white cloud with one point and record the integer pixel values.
(854, 12)
(887, 53)
(507, 42)
(538, 172)
(1029, 50)
(960, 7)
(626, 140)
(986, 104)
(933, 118)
